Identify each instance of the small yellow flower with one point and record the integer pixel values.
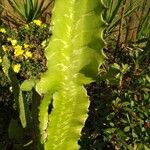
(37, 22)
(13, 42)
(2, 30)
(43, 43)
(44, 26)
(0, 59)
(25, 46)
(28, 54)
(18, 50)
(16, 68)
(9, 39)
(26, 26)
(4, 48)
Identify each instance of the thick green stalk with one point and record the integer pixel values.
(73, 57)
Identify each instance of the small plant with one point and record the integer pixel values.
(28, 10)
(25, 48)
(120, 102)
(112, 16)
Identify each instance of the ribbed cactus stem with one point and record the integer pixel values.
(73, 57)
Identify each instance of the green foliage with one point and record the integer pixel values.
(120, 102)
(73, 54)
(28, 10)
(112, 13)
(33, 38)
(25, 47)
(119, 110)
(144, 27)
(1, 8)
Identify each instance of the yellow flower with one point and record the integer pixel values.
(13, 42)
(4, 48)
(25, 46)
(16, 68)
(37, 22)
(43, 43)
(18, 50)
(0, 59)
(28, 54)
(44, 26)
(2, 30)
(26, 26)
(9, 39)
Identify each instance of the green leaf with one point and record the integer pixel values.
(110, 130)
(148, 78)
(18, 7)
(6, 66)
(127, 129)
(22, 113)
(146, 148)
(113, 18)
(27, 85)
(134, 134)
(28, 10)
(116, 66)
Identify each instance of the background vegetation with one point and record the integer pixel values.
(119, 113)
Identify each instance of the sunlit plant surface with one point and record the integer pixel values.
(46, 68)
